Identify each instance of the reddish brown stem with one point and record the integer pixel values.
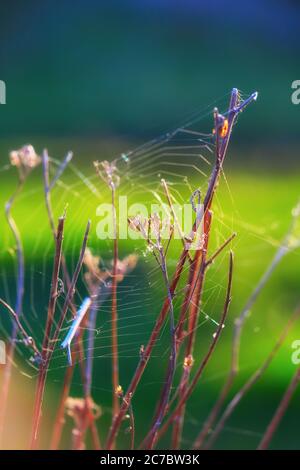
(132, 427)
(145, 357)
(241, 393)
(18, 304)
(28, 340)
(234, 109)
(150, 439)
(49, 345)
(70, 294)
(114, 313)
(192, 282)
(238, 327)
(95, 435)
(214, 413)
(60, 415)
(50, 316)
(192, 328)
(220, 249)
(207, 357)
(192, 277)
(47, 194)
(221, 147)
(89, 419)
(280, 412)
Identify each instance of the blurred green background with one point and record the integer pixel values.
(100, 77)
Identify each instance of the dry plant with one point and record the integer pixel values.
(101, 283)
(25, 160)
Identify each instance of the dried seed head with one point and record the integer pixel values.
(25, 159)
(188, 362)
(155, 226)
(94, 274)
(125, 266)
(194, 241)
(76, 409)
(190, 238)
(160, 228)
(138, 223)
(108, 173)
(91, 261)
(74, 405)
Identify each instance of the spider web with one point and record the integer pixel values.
(183, 157)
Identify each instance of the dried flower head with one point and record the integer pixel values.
(76, 409)
(156, 226)
(153, 230)
(94, 275)
(25, 159)
(160, 228)
(140, 224)
(125, 266)
(108, 173)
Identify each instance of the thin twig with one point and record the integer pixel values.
(27, 339)
(18, 304)
(114, 312)
(70, 293)
(54, 285)
(50, 317)
(101, 294)
(150, 439)
(50, 344)
(108, 173)
(197, 284)
(283, 249)
(61, 168)
(132, 426)
(242, 392)
(163, 403)
(271, 429)
(145, 356)
(48, 186)
(60, 415)
(189, 289)
(191, 334)
(212, 258)
(208, 355)
(176, 221)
